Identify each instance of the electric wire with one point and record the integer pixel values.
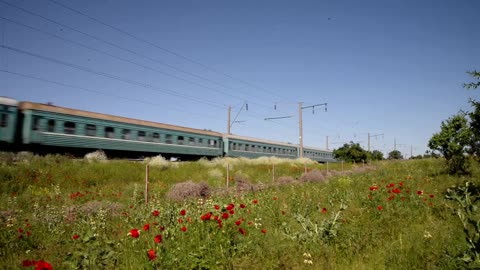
(162, 48)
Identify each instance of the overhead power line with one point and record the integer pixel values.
(128, 81)
(128, 50)
(163, 48)
(101, 93)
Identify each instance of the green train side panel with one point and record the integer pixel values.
(36, 129)
(8, 123)
(255, 154)
(319, 155)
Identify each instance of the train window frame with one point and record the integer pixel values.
(180, 140)
(69, 127)
(156, 137)
(51, 125)
(191, 141)
(109, 132)
(91, 130)
(126, 134)
(141, 136)
(3, 120)
(200, 141)
(168, 138)
(36, 123)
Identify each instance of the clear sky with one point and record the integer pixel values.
(386, 67)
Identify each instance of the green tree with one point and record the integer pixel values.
(395, 154)
(474, 115)
(452, 142)
(376, 155)
(351, 152)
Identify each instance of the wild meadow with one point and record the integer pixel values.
(60, 213)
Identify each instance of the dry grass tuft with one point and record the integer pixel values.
(186, 190)
(285, 180)
(98, 155)
(314, 176)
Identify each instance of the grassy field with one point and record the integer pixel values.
(75, 214)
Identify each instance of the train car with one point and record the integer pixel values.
(320, 155)
(239, 146)
(53, 126)
(8, 120)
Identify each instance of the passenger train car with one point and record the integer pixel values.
(47, 128)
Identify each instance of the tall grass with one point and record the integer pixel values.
(80, 214)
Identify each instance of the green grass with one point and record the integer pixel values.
(333, 225)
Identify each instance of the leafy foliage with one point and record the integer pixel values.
(473, 85)
(467, 198)
(395, 154)
(475, 127)
(352, 152)
(376, 155)
(452, 142)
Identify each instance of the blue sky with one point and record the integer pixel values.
(385, 67)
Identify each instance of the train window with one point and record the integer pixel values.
(212, 143)
(109, 132)
(168, 139)
(51, 125)
(191, 141)
(156, 137)
(126, 134)
(247, 147)
(90, 130)
(234, 146)
(69, 128)
(252, 148)
(36, 123)
(269, 150)
(3, 120)
(141, 136)
(200, 141)
(180, 140)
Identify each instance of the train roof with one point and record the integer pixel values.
(25, 105)
(8, 101)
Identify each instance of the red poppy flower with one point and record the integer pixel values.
(158, 238)
(390, 185)
(264, 231)
(225, 215)
(28, 263)
(324, 210)
(183, 212)
(162, 228)
(215, 217)
(242, 231)
(255, 201)
(134, 233)
(155, 213)
(391, 198)
(431, 195)
(28, 233)
(20, 230)
(283, 212)
(238, 222)
(396, 190)
(242, 205)
(180, 220)
(373, 188)
(42, 265)
(231, 212)
(230, 206)
(146, 227)
(217, 207)
(400, 184)
(184, 229)
(275, 198)
(380, 208)
(419, 192)
(75, 236)
(151, 255)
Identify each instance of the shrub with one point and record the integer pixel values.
(98, 155)
(314, 176)
(186, 190)
(285, 180)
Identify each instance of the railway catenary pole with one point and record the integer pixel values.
(228, 124)
(372, 136)
(300, 122)
(300, 125)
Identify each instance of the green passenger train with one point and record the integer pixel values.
(46, 128)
